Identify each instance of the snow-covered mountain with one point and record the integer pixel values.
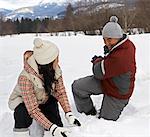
(59, 2)
(97, 7)
(45, 8)
(40, 11)
(4, 11)
(56, 9)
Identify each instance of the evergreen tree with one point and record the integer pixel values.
(17, 24)
(69, 18)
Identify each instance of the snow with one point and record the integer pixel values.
(75, 56)
(24, 10)
(20, 11)
(52, 1)
(110, 5)
(2, 9)
(59, 2)
(106, 6)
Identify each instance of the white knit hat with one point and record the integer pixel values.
(44, 51)
(112, 29)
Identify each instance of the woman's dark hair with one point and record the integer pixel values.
(49, 76)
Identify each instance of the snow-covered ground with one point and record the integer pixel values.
(75, 56)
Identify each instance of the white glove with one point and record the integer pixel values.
(59, 131)
(72, 120)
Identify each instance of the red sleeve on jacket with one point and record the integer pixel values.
(119, 62)
(61, 96)
(31, 103)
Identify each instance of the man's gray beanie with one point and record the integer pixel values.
(112, 29)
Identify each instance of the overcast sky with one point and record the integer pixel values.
(14, 4)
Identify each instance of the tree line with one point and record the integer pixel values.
(87, 21)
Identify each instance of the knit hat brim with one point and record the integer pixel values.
(112, 29)
(44, 51)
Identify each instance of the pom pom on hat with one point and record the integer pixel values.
(44, 51)
(112, 29)
(113, 19)
(38, 42)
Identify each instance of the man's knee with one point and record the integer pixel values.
(75, 86)
(108, 117)
(77, 89)
(112, 108)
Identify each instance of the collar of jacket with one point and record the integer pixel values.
(120, 43)
(31, 67)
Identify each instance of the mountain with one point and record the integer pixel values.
(4, 11)
(40, 11)
(59, 2)
(49, 8)
(97, 7)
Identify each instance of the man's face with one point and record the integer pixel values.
(110, 42)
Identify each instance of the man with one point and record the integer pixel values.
(113, 75)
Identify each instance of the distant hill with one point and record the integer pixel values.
(57, 10)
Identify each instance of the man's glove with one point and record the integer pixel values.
(59, 131)
(96, 59)
(106, 50)
(72, 120)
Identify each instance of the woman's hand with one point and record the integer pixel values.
(59, 131)
(72, 120)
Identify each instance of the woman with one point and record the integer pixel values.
(39, 87)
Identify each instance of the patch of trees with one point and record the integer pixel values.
(84, 17)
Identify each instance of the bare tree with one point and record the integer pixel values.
(143, 8)
(69, 17)
(1, 23)
(128, 16)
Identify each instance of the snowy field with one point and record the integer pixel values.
(75, 55)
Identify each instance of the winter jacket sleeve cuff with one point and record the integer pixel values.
(98, 70)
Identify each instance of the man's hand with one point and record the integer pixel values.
(96, 59)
